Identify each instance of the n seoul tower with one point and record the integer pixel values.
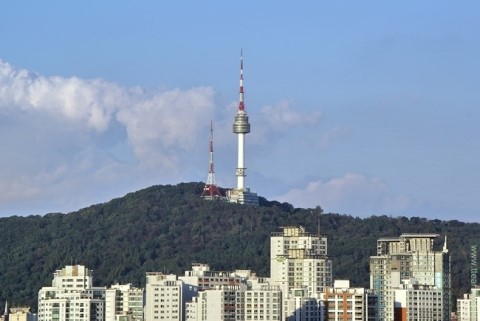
(241, 194)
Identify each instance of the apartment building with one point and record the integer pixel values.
(21, 314)
(343, 303)
(164, 299)
(299, 265)
(236, 303)
(418, 302)
(123, 301)
(201, 277)
(298, 259)
(71, 297)
(468, 307)
(410, 256)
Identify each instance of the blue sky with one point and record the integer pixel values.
(364, 108)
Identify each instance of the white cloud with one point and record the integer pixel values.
(353, 194)
(332, 135)
(68, 134)
(17, 189)
(283, 116)
(90, 101)
(168, 121)
(276, 121)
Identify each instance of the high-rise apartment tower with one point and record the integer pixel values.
(407, 259)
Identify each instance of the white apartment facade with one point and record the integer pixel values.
(236, 303)
(71, 297)
(164, 298)
(123, 301)
(299, 265)
(298, 259)
(263, 303)
(201, 277)
(468, 307)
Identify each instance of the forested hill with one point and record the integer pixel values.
(166, 228)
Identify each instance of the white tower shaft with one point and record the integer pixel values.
(241, 162)
(241, 127)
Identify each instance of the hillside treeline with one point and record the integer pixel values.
(166, 228)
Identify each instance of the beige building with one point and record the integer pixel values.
(21, 314)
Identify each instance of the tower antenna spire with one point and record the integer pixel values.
(211, 191)
(241, 101)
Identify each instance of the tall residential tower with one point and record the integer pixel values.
(407, 272)
(241, 194)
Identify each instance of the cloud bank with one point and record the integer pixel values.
(163, 119)
(78, 128)
(349, 194)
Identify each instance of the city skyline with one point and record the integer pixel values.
(362, 109)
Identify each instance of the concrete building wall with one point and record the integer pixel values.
(163, 297)
(71, 297)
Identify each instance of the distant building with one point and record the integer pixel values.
(463, 308)
(299, 259)
(262, 303)
(299, 265)
(343, 303)
(410, 256)
(468, 308)
(71, 297)
(418, 302)
(214, 304)
(123, 302)
(300, 305)
(165, 297)
(201, 277)
(21, 314)
(235, 303)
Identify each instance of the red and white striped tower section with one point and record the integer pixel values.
(241, 127)
(210, 191)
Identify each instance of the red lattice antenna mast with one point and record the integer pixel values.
(211, 191)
